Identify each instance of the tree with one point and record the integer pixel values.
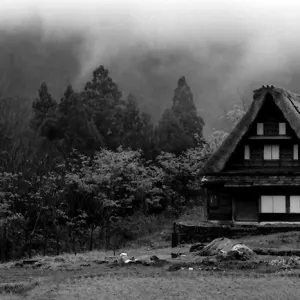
(101, 86)
(234, 115)
(105, 99)
(185, 110)
(43, 107)
(171, 135)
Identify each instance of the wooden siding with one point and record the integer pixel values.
(219, 206)
(242, 204)
(279, 217)
(246, 208)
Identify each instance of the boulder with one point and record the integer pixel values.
(227, 249)
(197, 247)
(217, 246)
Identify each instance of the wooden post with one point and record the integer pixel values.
(174, 236)
(233, 209)
(288, 205)
(205, 204)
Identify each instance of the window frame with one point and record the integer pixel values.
(246, 152)
(260, 130)
(271, 148)
(295, 212)
(273, 212)
(295, 152)
(279, 127)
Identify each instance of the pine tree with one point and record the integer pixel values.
(43, 107)
(171, 135)
(103, 95)
(185, 110)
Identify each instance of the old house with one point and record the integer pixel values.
(254, 176)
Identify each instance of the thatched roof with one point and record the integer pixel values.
(286, 101)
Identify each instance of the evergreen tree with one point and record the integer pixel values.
(171, 135)
(104, 97)
(137, 128)
(43, 107)
(185, 110)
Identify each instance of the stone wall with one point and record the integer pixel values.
(204, 234)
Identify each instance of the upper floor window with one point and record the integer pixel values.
(271, 152)
(247, 152)
(296, 152)
(260, 128)
(282, 129)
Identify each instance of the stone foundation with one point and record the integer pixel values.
(204, 234)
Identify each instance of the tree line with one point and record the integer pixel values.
(79, 173)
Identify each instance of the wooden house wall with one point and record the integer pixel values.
(243, 205)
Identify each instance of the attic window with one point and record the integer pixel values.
(282, 129)
(260, 129)
(247, 152)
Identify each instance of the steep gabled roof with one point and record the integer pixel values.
(286, 101)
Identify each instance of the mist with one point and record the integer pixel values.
(225, 49)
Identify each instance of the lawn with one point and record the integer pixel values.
(182, 285)
(81, 277)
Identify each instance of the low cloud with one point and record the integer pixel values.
(224, 48)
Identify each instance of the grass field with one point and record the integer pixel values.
(82, 278)
(180, 285)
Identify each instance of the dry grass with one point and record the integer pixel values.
(280, 241)
(192, 216)
(138, 282)
(183, 285)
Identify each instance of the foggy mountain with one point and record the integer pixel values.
(225, 49)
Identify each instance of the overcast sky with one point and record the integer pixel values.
(260, 38)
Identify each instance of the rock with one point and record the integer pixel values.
(240, 252)
(30, 261)
(218, 245)
(38, 265)
(85, 265)
(197, 247)
(18, 264)
(121, 262)
(225, 248)
(100, 262)
(174, 268)
(154, 258)
(59, 259)
(174, 255)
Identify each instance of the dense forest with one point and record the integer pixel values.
(87, 170)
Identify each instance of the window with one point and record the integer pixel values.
(273, 204)
(260, 129)
(247, 152)
(271, 152)
(296, 152)
(282, 129)
(295, 204)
